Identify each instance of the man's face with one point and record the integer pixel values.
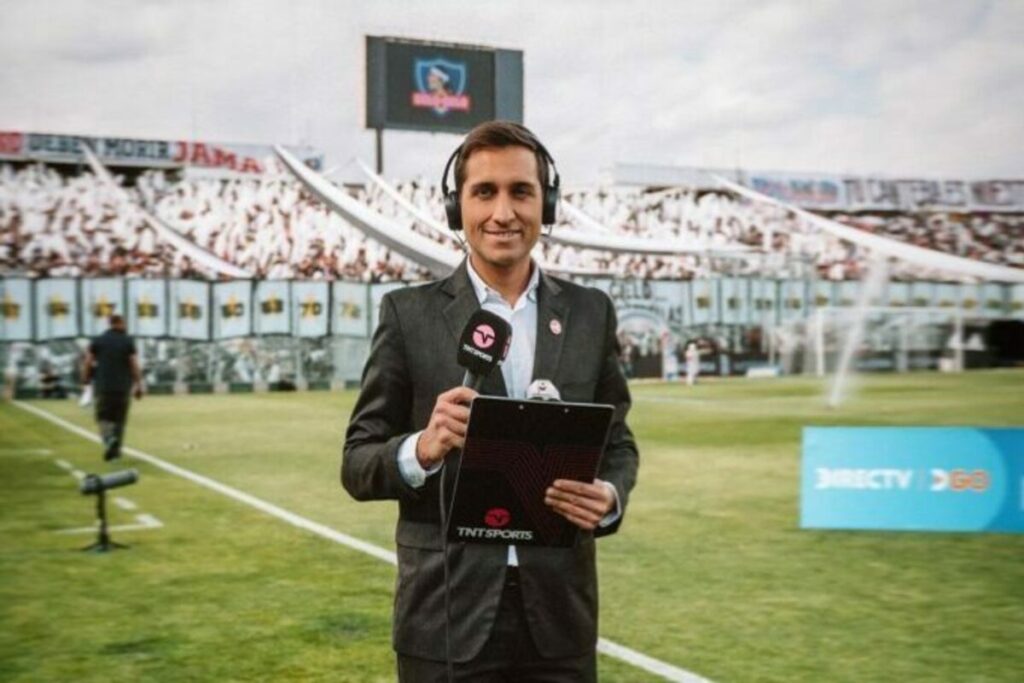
(501, 207)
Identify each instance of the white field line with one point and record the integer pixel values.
(650, 664)
(124, 503)
(224, 489)
(149, 521)
(30, 451)
(144, 522)
(604, 646)
(64, 464)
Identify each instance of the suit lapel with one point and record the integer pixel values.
(552, 323)
(457, 312)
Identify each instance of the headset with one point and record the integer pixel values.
(453, 208)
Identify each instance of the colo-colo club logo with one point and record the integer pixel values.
(440, 85)
(896, 479)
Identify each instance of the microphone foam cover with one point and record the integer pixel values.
(484, 342)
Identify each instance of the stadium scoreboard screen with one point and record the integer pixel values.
(440, 87)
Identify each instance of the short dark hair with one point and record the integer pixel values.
(116, 320)
(500, 134)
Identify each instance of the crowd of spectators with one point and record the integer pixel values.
(272, 228)
(56, 225)
(995, 238)
(53, 225)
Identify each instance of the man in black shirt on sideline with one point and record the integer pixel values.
(111, 364)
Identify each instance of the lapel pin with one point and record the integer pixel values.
(556, 327)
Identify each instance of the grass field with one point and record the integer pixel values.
(710, 571)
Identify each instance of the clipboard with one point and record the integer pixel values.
(514, 450)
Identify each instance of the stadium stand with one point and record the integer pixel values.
(54, 224)
(713, 252)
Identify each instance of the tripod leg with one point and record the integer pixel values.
(103, 543)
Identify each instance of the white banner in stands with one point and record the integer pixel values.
(846, 293)
(273, 307)
(998, 195)
(812, 191)
(377, 293)
(351, 317)
(197, 310)
(735, 293)
(971, 301)
(993, 302)
(947, 295)
(310, 309)
(190, 310)
(793, 300)
(101, 298)
(872, 193)
(232, 309)
(671, 299)
(932, 195)
(823, 293)
(898, 294)
(922, 293)
(56, 309)
(1017, 301)
(764, 295)
(15, 309)
(704, 301)
(147, 308)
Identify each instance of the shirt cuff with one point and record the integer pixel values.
(614, 515)
(409, 466)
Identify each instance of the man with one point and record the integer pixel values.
(692, 364)
(527, 613)
(111, 365)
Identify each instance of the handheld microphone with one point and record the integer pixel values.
(483, 346)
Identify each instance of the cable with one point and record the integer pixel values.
(449, 666)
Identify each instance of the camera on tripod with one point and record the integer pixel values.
(98, 485)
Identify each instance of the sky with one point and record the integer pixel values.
(930, 88)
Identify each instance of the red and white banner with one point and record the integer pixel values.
(831, 192)
(226, 157)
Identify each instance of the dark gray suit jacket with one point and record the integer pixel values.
(413, 360)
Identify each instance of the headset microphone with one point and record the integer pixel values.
(483, 346)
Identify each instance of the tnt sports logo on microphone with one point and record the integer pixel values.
(483, 336)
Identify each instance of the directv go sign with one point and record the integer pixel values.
(913, 479)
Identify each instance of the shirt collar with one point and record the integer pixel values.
(484, 291)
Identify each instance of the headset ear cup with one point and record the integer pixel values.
(453, 211)
(549, 214)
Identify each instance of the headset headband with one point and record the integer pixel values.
(540, 148)
(453, 209)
